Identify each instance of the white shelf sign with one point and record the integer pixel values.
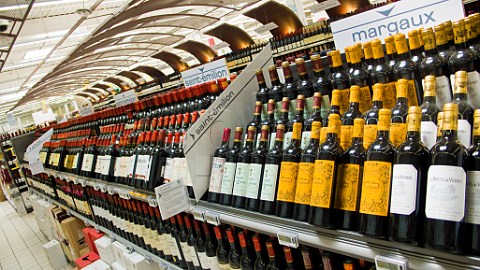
(172, 198)
(324, 5)
(125, 98)
(267, 27)
(212, 218)
(208, 72)
(388, 263)
(288, 238)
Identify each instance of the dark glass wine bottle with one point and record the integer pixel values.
(465, 110)
(349, 180)
(442, 43)
(340, 79)
(289, 87)
(230, 168)
(242, 170)
(259, 263)
(305, 85)
(263, 92)
(415, 46)
(316, 115)
(210, 248)
(398, 124)
(288, 258)
(272, 264)
(200, 246)
(218, 167)
(473, 185)
(407, 69)
(383, 73)
(305, 175)
(446, 185)
(288, 174)
(391, 51)
(276, 90)
(439, 126)
(407, 207)
(246, 260)
(361, 78)
(234, 254)
(223, 250)
(376, 185)
(430, 110)
(321, 84)
(298, 117)
(270, 122)
(334, 107)
(183, 240)
(370, 129)
(349, 116)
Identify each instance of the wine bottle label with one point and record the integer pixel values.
(184, 172)
(98, 164)
(443, 92)
(304, 183)
(346, 133)
(269, 183)
(287, 181)
(216, 175)
(87, 162)
(398, 133)
(375, 196)
(412, 94)
(142, 172)
(305, 139)
(131, 166)
(228, 178)
(204, 260)
(472, 211)
(369, 135)
(176, 167)
(322, 183)
(186, 251)
(464, 132)
(287, 139)
(348, 180)
(129, 126)
(193, 253)
(473, 87)
(175, 248)
(213, 263)
(75, 161)
(164, 243)
(389, 95)
(65, 161)
(168, 176)
(273, 135)
(241, 178)
(43, 157)
(445, 199)
(365, 99)
(326, 105)
(106, 164)
(54, 157)
(404, 189)
(253, 182)
(116, 170)
(428, 133)
(344, 97)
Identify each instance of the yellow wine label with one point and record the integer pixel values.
(389, 95)
(365, 99)
(322, 183)
(369, 135)
(375, 197)
(398, 133)
(346, 133)
(287, 181)
(323, 134)
(344, 98)
(412, 94)
(348, 180)
(304, 183)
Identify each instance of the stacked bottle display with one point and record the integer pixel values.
(244, 56)
(387, 158)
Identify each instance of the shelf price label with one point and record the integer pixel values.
(199, 214)
(102, 188)
(288, 238)
(161, 266)
(123, 193)
(82, 182)
(389, 263)
(212, 218)
(110, 190)
(152, 202)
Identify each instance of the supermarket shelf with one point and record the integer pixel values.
(308, 46)
(344, 242)
(130, 246)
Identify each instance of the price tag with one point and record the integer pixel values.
(102, 188)
(111, 190)
(152, 202)
(199, 215)
(212, 218)
(288, 238)
(71, 178)
(389, 263)
(82, 182)
(123, 193)
(172, 198)
(75, 181)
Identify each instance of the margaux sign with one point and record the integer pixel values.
(399, 17)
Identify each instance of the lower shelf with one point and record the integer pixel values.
(130, 246)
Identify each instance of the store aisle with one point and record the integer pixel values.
(21, 242)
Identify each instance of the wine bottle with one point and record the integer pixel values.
(325, 171)
(191, 240)
(361, 78)
(276, 90)
(305, 175)
(349, 180)
(242, 170)
(370, 129)
(288, 174)
(210, 248)
(316, 115)
(376, 185)
(263, 92)
(296, 118)
(255, 174)
(200, 246)
(415, 46)
(288, 258)
(407, 208)
(283, 119)
(175, 245)
(307, 258)
(218, 167)
(340, 79)
(442, 43)
(255, 122)
(270, 174)
(349, 116)
(334, 108)
(398, 125)
(465, 110)
(473, 184)
(321, 84)
(383, 73)
(259, 263)
(270, 122)
(446, 185)
(435, 65)
(304, 85)
(230, 168)
(234, 254)
(289, 87)
(368, 53)
(407, 69)
(223, 250)
(158, 162)
(439, 126)
(246, 261)
(471, 25)
(391, 51)
(272, 264)
(465, 59)
(183, 240)
(430, 110)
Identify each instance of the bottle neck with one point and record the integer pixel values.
(377, 104)
(429, 100)
(402, 100)
(383, 134)
(413, 135)
(431, 52)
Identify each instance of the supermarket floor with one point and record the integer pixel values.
(21, 242)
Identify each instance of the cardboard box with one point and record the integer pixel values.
(72, 230)
(55, 254)
(86, 260)
(118, 266)
(105, 249)
(136, 261)
(98, 265)
(118, 250)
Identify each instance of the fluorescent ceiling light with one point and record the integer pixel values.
(37, 54)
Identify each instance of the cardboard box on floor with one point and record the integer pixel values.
(72, 230)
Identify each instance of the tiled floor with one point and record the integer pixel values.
(21, 242)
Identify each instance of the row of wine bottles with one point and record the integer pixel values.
(191, 244)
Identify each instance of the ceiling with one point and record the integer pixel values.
(60, 53)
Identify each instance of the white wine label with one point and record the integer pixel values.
(473, 88)
(204, 260)
(464, 132)
(106, 165)
(445, 199)
(213, 263)
(75, 161)
(131, 166)
(253, 181)
(404, 189)
(142, 172)
(87, 162)
(184, 172)
(186, 251)
(174, 247)
(269, 184)
(165, 244)
(98, 164)
(472, 211)
(305, 139)
(176, 168)
(273, 135)
(228, 178)
(168, 176)
(241, 177)
(428, 133)
(287, 140)
(443, 91)
(193, 253)
(123, 166)
(216, 175)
